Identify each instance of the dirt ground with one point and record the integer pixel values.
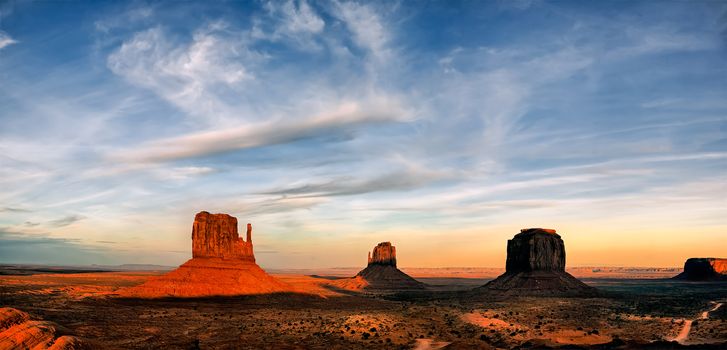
(448, 316)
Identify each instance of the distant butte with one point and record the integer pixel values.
(704, 269)
(222, 264)
(381, 273)
(535, 266)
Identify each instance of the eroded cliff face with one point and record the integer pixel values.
(535, 249)
(216, 236)
(704, 269)
(222, 264)
(535, 266)
(383, 254)
(18, 331)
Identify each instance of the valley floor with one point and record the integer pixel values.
(630, 312)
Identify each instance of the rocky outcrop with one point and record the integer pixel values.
(536, 266)
(704, 269)
(215, 236)
(222, 264)
(383, 254)
(381, 274)
(535, 249)
(18, 331)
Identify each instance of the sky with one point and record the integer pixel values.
(442, 126)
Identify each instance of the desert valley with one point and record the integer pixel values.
(221, 299)
(363, 174)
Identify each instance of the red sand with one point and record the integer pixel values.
(200, 277)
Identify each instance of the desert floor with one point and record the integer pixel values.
(631, 312)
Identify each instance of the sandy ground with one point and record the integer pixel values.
(488, 273)
(325, 317)
(683, 335)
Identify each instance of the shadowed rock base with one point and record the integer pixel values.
(381, 274)
(379, 277)
(538, 283)
(536, 267)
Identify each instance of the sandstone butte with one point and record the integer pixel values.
(381, 273)
(704, 269)
(18, 331)
(535, 266)
(222, 264)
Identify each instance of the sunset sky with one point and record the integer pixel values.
(444, 127)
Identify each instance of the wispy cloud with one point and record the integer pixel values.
(65, 221)
(395, 181)
(16, 247)
(343, 118)
(366, 25)
(13, 210)
(294, 21)
(185, 74)
(6, 40)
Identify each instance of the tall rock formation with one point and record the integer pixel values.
(536, 266)
(215, 236)
(222, 264)
(381, 274)
(704, 269)
(383, 254)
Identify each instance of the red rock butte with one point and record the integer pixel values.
(381, 274)
(222, 264)
(536, 266)
(383, 254)
(704, 269)
(215, 236)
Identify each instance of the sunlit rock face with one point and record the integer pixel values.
(18, 331)
(222, 264)
(535, 266)
(535, 249)
(383, 254)
(215, 236)
(704, 269)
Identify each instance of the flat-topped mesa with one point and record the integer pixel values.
(535, 266)
(384, 254)
(704, 269)
(535, 249)
(216, 236)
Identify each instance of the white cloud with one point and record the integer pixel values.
(6, 40)
(135, 14)
(293, 21)
(299, 17)
(367, 26)
(186, 74)
(184, 173)
(346, 115)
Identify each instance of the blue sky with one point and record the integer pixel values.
(444, 127)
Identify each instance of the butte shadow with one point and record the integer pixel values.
(535, 266)
(381, 274)
(222, 264)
